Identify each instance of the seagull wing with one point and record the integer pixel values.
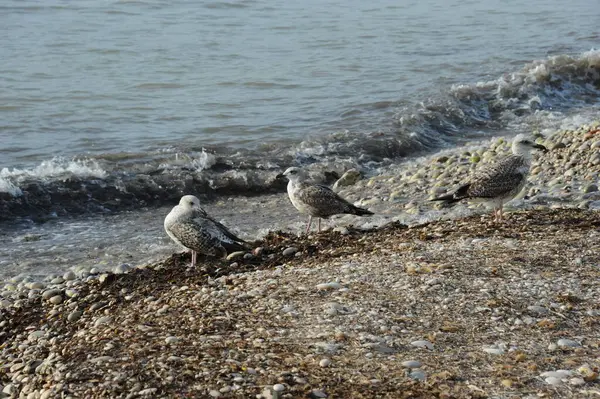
(195, 236)
(324, 199)
(498, 179)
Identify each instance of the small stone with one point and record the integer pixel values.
(97, 305)
(258, 251)
(329, 286)
(590, 188)
(568, 343)
(325, 362)
(68, 276)
(36, 285)
(214, 393)
(537, 309)
(553, 381)
(290, 251)
(557, 373)
(71, 293)
(279, 387)
(35, 335)
(316, 393)
(411, 364)
(74, 316)
(55, 300)
(418, 375)
(422, 344)
(102, 320)
(235, 255)
(577, 381)
(349, 178)
(171, 340)
(50, 293)
(122, 269)
(9, 389)
(57, 280)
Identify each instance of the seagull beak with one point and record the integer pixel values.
(540, 147)
(280, 176)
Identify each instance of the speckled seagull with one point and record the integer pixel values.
(190, 226)
(316, 200)
(498, 183)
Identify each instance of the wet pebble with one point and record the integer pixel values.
(55, 300)
(102, 320)
(290, 251)
(50, 293)
(71, 293)
(568, 343)
(235, 255)
(171, 340)
(279, 387)
(418, 375)
(121, 269)
(411, 364)
(74, 316)
(317, 393)
(69, 276)
(422, 344)
(325, 362)
(329, 286)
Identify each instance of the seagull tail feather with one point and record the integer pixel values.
(354, 210)
(459, 194)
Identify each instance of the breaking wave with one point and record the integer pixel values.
(538, 96)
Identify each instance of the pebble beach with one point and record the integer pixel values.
(420, 301)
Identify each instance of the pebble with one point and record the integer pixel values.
(69, 276)
(329, 286)
(57, 280)
(122, 269)
(568, 343)
(36, 285)
(214, 393)
(50, 293)
(55, 300)
(577, 381)
(279, 387)
(418, 375)
(102, 320)
(553, 381)
(557, 374)
(316, 393)
(492, 350)
(71, 293)
(325, 362)
(171, 340)
(290, 251)
(591, 188)
(97, 305)
(422, 344)
(411, 364)
(236, 254)
(74, 316)
(537, 309)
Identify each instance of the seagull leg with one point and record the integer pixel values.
(319, 225)
(193, 259)
(501, 217)
(309, 222)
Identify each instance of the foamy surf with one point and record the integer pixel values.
(541, 96)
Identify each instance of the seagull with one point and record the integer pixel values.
(190, 226)
(500, 182)
(315, 199)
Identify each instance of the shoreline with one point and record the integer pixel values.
(567, 176)
(453, 308)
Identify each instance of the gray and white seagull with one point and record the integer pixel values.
(190, 226)
(498, 183)
(316, 200)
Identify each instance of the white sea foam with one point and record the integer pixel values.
(54, 168)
